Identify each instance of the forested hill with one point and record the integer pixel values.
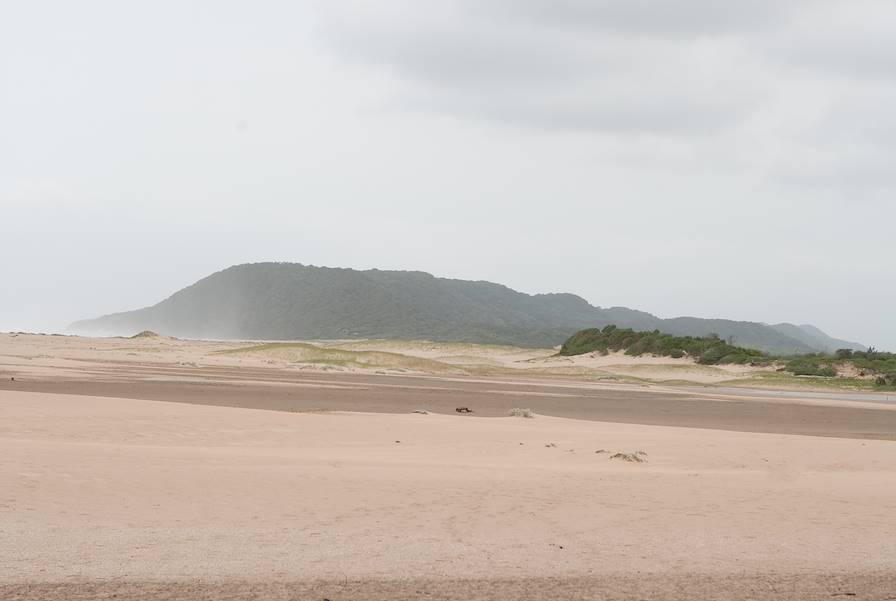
(290, 301)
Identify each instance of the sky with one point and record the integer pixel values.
(686, 157)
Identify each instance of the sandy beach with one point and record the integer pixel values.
(347, 495)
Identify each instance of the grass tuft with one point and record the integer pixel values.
(145, 334)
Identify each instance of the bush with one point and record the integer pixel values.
(709, 350)
(517, 412)
(714, 354)
(811, 365)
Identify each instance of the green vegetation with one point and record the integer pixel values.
(864, 367)
(288, 301)
(299, 352)
(706, 350)
(145, 334)
(810, 365)
(871, 363)
(785, 380)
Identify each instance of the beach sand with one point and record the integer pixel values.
(107, 496)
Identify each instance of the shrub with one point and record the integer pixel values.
(709, 350)
(811, 365)
(637, 457)
(145, 334)
(517, 412)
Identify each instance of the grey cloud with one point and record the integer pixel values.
(850, 146)
(482, 63)
(706, 73)
(675, 18)
(840, 39)
(862, 118)
(458, 56)
(860, 173)
(614, 111)
(853, 55)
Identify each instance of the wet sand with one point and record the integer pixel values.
(303, 392)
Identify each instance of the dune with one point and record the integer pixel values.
(130, 490)
(52, 356)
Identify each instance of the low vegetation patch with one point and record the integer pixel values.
(636, 457)
(301, 352)
(872, 366)
(145, 334)
(706, 350)
(517, 412)
(810, 366)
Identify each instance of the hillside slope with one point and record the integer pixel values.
(289, 301)
(812, 336)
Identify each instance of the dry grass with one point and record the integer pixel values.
(300, 352)
(145, 334)
(636, 457)
(517, 412)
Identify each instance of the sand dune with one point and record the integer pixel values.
(73, 355)
(103, 488)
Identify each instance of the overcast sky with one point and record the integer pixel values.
(684, 157)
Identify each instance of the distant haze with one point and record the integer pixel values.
(289, 301)
(672, 157)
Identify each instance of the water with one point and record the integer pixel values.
(834, 396)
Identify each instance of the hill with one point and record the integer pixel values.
(290, 301)
(812, 336)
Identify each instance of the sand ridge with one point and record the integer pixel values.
(76, 356)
